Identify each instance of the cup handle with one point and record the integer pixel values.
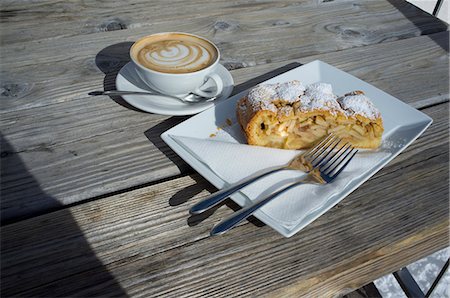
(217, 81)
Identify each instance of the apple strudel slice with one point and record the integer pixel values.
(292, 116)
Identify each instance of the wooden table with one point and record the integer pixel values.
(93, 203)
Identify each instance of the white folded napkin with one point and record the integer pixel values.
(233, 161)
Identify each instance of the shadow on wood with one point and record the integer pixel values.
(51, 256)
(154, 136)
(18, 185)
(187, 193)
(426, 23)
(110, 60)
(194, 220)
(184, 195)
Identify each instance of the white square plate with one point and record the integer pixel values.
(402, 123)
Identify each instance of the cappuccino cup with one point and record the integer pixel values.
(177, 63)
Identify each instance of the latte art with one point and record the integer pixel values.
(175, 53)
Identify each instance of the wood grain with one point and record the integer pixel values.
(246, 38)
(70, 151)
(93, 203)
(143, 243)
(50, 20)
(49, 66)
(109, 16)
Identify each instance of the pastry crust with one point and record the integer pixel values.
(290, 116)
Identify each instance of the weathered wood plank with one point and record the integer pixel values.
(62, 153)
(143, 243)
(109, 16)
(389, 72)
(246, 38)
(31, 21)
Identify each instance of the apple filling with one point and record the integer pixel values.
(305, 132)
(291, 116)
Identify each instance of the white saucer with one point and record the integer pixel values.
(128, 80)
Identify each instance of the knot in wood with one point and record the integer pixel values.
(225, 26)
(352, 33)
(113, 25)
(280, 23)
(14, 90)
(235, 64)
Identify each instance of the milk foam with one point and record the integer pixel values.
(175, 54)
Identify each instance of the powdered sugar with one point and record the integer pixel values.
(264, 96)
(320, 88)
(290, 91)
(319, 96)
(359, 104)
(280, 98)
(263, 92)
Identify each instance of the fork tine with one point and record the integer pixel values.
(345, 164)
(320, 145)
(336, 157)
(333, 145)
(353, 153)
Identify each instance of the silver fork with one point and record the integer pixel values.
(300, 162)
(326, 167)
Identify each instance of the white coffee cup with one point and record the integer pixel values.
(177, 63)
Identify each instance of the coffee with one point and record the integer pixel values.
(174, 53)
(177, 63)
